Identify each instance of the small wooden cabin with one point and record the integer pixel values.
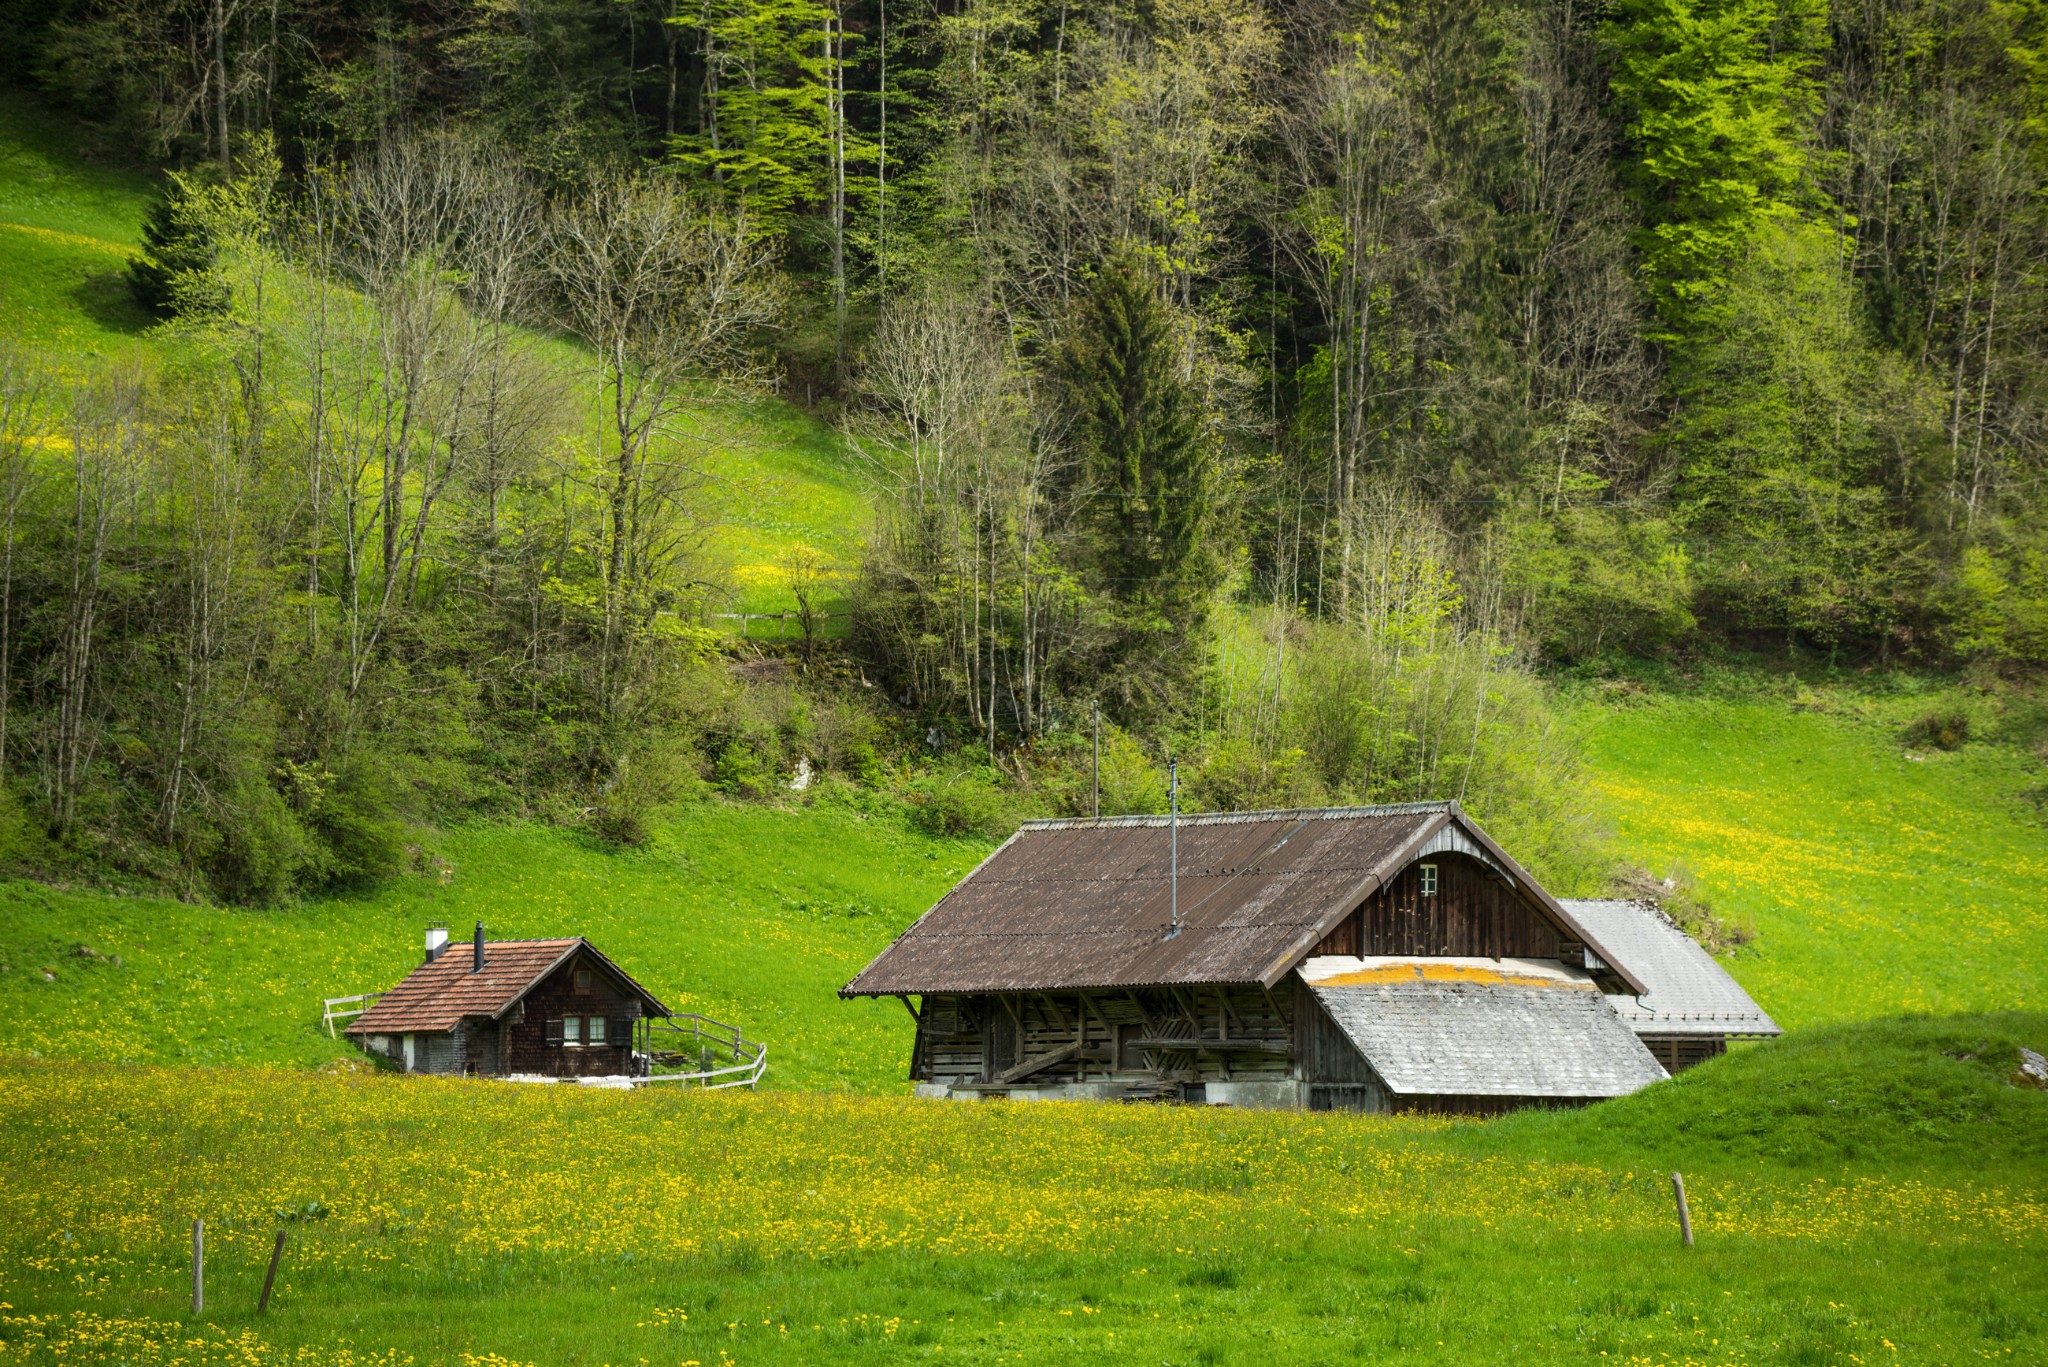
(550, 1008)
(1388, 958)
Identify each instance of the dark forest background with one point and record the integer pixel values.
(1292, 382)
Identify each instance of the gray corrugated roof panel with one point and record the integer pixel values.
(1688, 993)
(1511, 1039)
(1085, 904)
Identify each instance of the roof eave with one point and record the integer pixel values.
(852, 988)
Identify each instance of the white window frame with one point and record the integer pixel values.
(1425, 879)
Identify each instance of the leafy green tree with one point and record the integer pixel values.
(767, 123)
(1715, 93)
(1791, 428)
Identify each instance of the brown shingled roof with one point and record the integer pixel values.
(440, 995)
(1067, 904)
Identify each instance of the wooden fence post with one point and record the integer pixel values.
(198, 1268)
(1684, 1213)
(276, 1252)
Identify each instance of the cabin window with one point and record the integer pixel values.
(572, 1031)
(593, 1030)
(582, 979)
(1425, 875)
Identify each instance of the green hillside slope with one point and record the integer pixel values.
(67, 230)
(1877, 879)
(784, 488)
(1877, 885)
(753, 916)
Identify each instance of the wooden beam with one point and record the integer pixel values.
(1223, 996)
(915, 1018)
(1034, 1065)
(1054, 1008)
(1151, 1026)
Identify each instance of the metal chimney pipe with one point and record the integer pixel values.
(478, 965)
(1173, 858)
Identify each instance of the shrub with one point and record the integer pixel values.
(259, 848)
(741, 771)
(968, 801)
(1240, 776)
(1944, 728)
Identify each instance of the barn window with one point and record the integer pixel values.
(1425, 875)
(582, 980)
(572, 1031)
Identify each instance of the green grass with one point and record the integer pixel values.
(751, 915)
(782, 483)
(450, 1218)
(1877, 879)
(67, 229)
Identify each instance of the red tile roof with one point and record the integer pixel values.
(440, 995)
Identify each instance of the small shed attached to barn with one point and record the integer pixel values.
(551, 1008)
(1690, 1007)
(1388, 958)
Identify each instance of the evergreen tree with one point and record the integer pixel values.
(174, 273)
(1152, 479)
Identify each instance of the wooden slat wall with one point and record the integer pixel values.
(965, 1040)
(1474, 914)
(1680, 1052)
(1327, 1054)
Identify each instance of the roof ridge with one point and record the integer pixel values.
(1074, 823)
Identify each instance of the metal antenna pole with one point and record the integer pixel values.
(1095, 783)
(1173, 858)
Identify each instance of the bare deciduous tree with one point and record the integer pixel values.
(670, 295)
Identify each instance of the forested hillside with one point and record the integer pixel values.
(1290, 382)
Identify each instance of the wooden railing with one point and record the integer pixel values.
(333, 1009)
(708, 1038)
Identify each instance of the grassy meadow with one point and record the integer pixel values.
(1878, 878)
(751, 915)
(471, 1222)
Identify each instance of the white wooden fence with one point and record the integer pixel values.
(334, 1009)
(749, 1058)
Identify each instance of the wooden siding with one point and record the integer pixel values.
(1229, 1034)
(1474, 914)
(526, 1048)
(1680, 1052)
(1328, 1057)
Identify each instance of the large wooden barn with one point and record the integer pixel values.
(495, 1008)
(1388, 958)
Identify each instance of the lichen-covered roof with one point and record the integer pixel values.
(440, 995)
(1688, 993)
(1521, 1036)
(1068, 904)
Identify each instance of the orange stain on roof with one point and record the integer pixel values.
(1446, 973)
